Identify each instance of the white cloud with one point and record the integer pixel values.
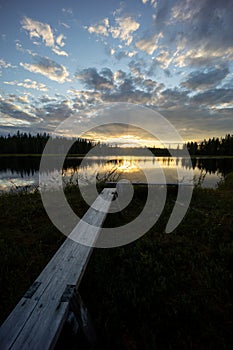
(9, 121)
(149, 45)
(152, 2)
(48, 68)
(59, 52)
(28, 84)
(59, 40)
(68, 11)
(100, 28)
(5, 65)
(23, 99)
(41, 30)
(38, 29)
(9, 82)
(164, 59)
(112, 51)
(124, 29)
(131, 53)
(201, 56)
(185, 11)
(121, 54)
(119, 10)
(18, 45)
(32, 84)
(64, 25)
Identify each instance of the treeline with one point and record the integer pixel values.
(23, 143)
(215, 146)
(160, 152)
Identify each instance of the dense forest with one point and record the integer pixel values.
(214, 146)
(23, 143)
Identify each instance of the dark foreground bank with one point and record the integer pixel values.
(161, 292)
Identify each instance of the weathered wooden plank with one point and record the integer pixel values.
(35, 323)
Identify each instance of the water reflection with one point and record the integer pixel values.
(21, 171)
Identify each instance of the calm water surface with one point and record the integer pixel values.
(16, 172)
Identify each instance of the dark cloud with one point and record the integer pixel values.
(44, 114)
(214, 97)
(58, 111)
(120, 54)
(120, 86)
(204, 80)
(126, 86)
(10, 109)
(190, 121)
(205, 19)
(163, 12)
(91, 79)
(172, 98)
(150, 69)
(130, 96)
(121, 75)
(137, 67)
(151, 85)
(46, 99)
(212, 23)
(201, 30)
(85, 99)
(107, 73)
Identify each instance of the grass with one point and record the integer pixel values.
(28, 240)
(168, 291)
(163, 291)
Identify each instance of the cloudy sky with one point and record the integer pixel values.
(63, 58)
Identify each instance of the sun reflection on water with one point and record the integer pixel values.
(126, 166)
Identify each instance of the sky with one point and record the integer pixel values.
(64, 58)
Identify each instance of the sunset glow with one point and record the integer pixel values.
(59, 59)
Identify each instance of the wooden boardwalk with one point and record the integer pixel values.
(38, 318)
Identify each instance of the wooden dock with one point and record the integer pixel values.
(38, 319)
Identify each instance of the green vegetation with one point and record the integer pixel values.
(164, 291)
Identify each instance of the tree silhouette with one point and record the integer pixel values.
(23, 143)
(212, 147)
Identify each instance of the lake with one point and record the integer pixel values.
(21, 171)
